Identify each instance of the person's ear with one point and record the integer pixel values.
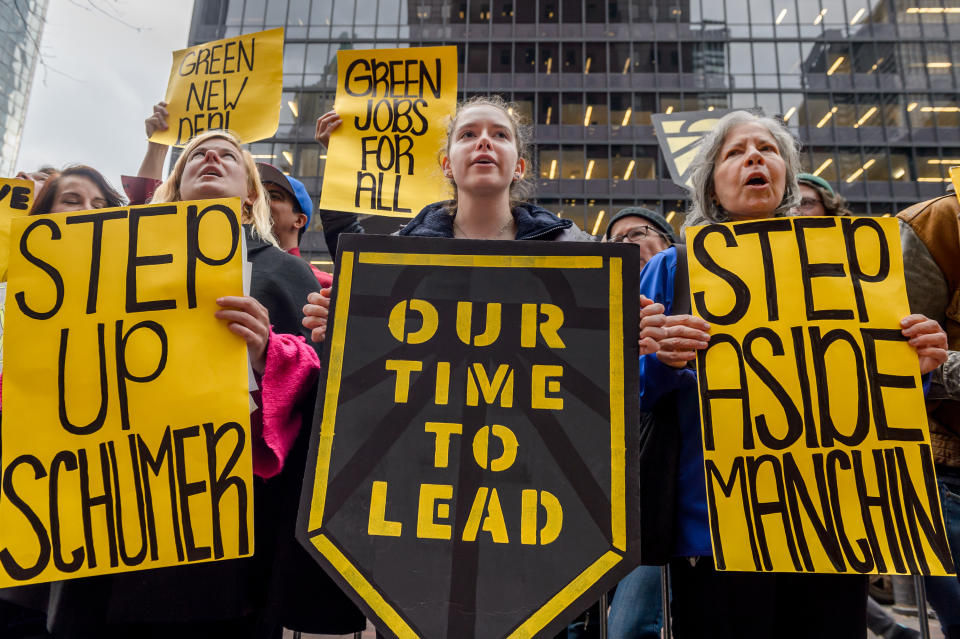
(446, 168)
(520, 170)
(300, 222)
(248, 201)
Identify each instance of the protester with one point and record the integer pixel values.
(636, 611)
(280, 585)
(817, 197)
(745, 169)
(76, 188)
(290, 209)
(485, 160)
(647, 230)
(930, 239)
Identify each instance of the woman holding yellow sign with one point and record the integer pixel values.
(746, 170)
(280, 586)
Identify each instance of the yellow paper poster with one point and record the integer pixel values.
(955, 178)
(16, 200)
(233, 84)
(126, 437)
(395, 105)
(816, 446)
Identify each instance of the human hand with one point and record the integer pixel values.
(157, 121)
(928, 338)
(648, 308)
(249, 319)
(315, 314)
(326, 124)
(677, 337)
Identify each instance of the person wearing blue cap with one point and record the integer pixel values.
(291, 210)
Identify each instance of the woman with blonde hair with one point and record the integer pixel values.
(280, 586)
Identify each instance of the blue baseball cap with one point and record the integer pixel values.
(293, 186)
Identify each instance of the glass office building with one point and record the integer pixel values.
(870, 87)
(22, 25)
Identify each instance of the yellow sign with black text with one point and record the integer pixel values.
(16, 200)
(395, 105)
(126, 428)
(816, 445)
(233, 84)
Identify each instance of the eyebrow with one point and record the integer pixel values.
(474, 123)
(214, 148)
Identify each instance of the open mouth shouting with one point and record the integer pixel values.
(757, 179)
(484, 159)
(211, 170)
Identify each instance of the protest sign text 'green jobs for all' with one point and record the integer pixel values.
(395, 105)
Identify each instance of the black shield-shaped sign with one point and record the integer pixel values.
(472, 469)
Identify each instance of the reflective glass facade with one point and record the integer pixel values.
(22, 24)
(869, 86)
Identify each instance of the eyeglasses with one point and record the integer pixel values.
(808, 203)
(637, 233)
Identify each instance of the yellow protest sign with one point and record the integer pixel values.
(126, 438)
(816, 447)
(233, 84)
(955, 178)
(395, 104)
(16, 200)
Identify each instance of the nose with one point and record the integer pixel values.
(753, 156)
(211, 154)
(484, 140)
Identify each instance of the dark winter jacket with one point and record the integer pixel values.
(533, 223)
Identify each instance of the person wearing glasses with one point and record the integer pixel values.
(817, 197)
(646, 229)
(636, 609)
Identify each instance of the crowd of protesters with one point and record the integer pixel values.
(747, 168)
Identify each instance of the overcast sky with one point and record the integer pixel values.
(99, 81)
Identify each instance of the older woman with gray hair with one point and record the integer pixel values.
(746, 169)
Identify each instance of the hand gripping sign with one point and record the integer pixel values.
(816, 447)
(470, 473)
(394, 104)
(231, 84)
(126, 438)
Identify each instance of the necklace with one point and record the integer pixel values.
(497, 236)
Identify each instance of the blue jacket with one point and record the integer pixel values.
(657, 379)
(533, 223)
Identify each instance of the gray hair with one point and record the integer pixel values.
(703, 208)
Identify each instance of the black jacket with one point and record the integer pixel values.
(533, 223)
